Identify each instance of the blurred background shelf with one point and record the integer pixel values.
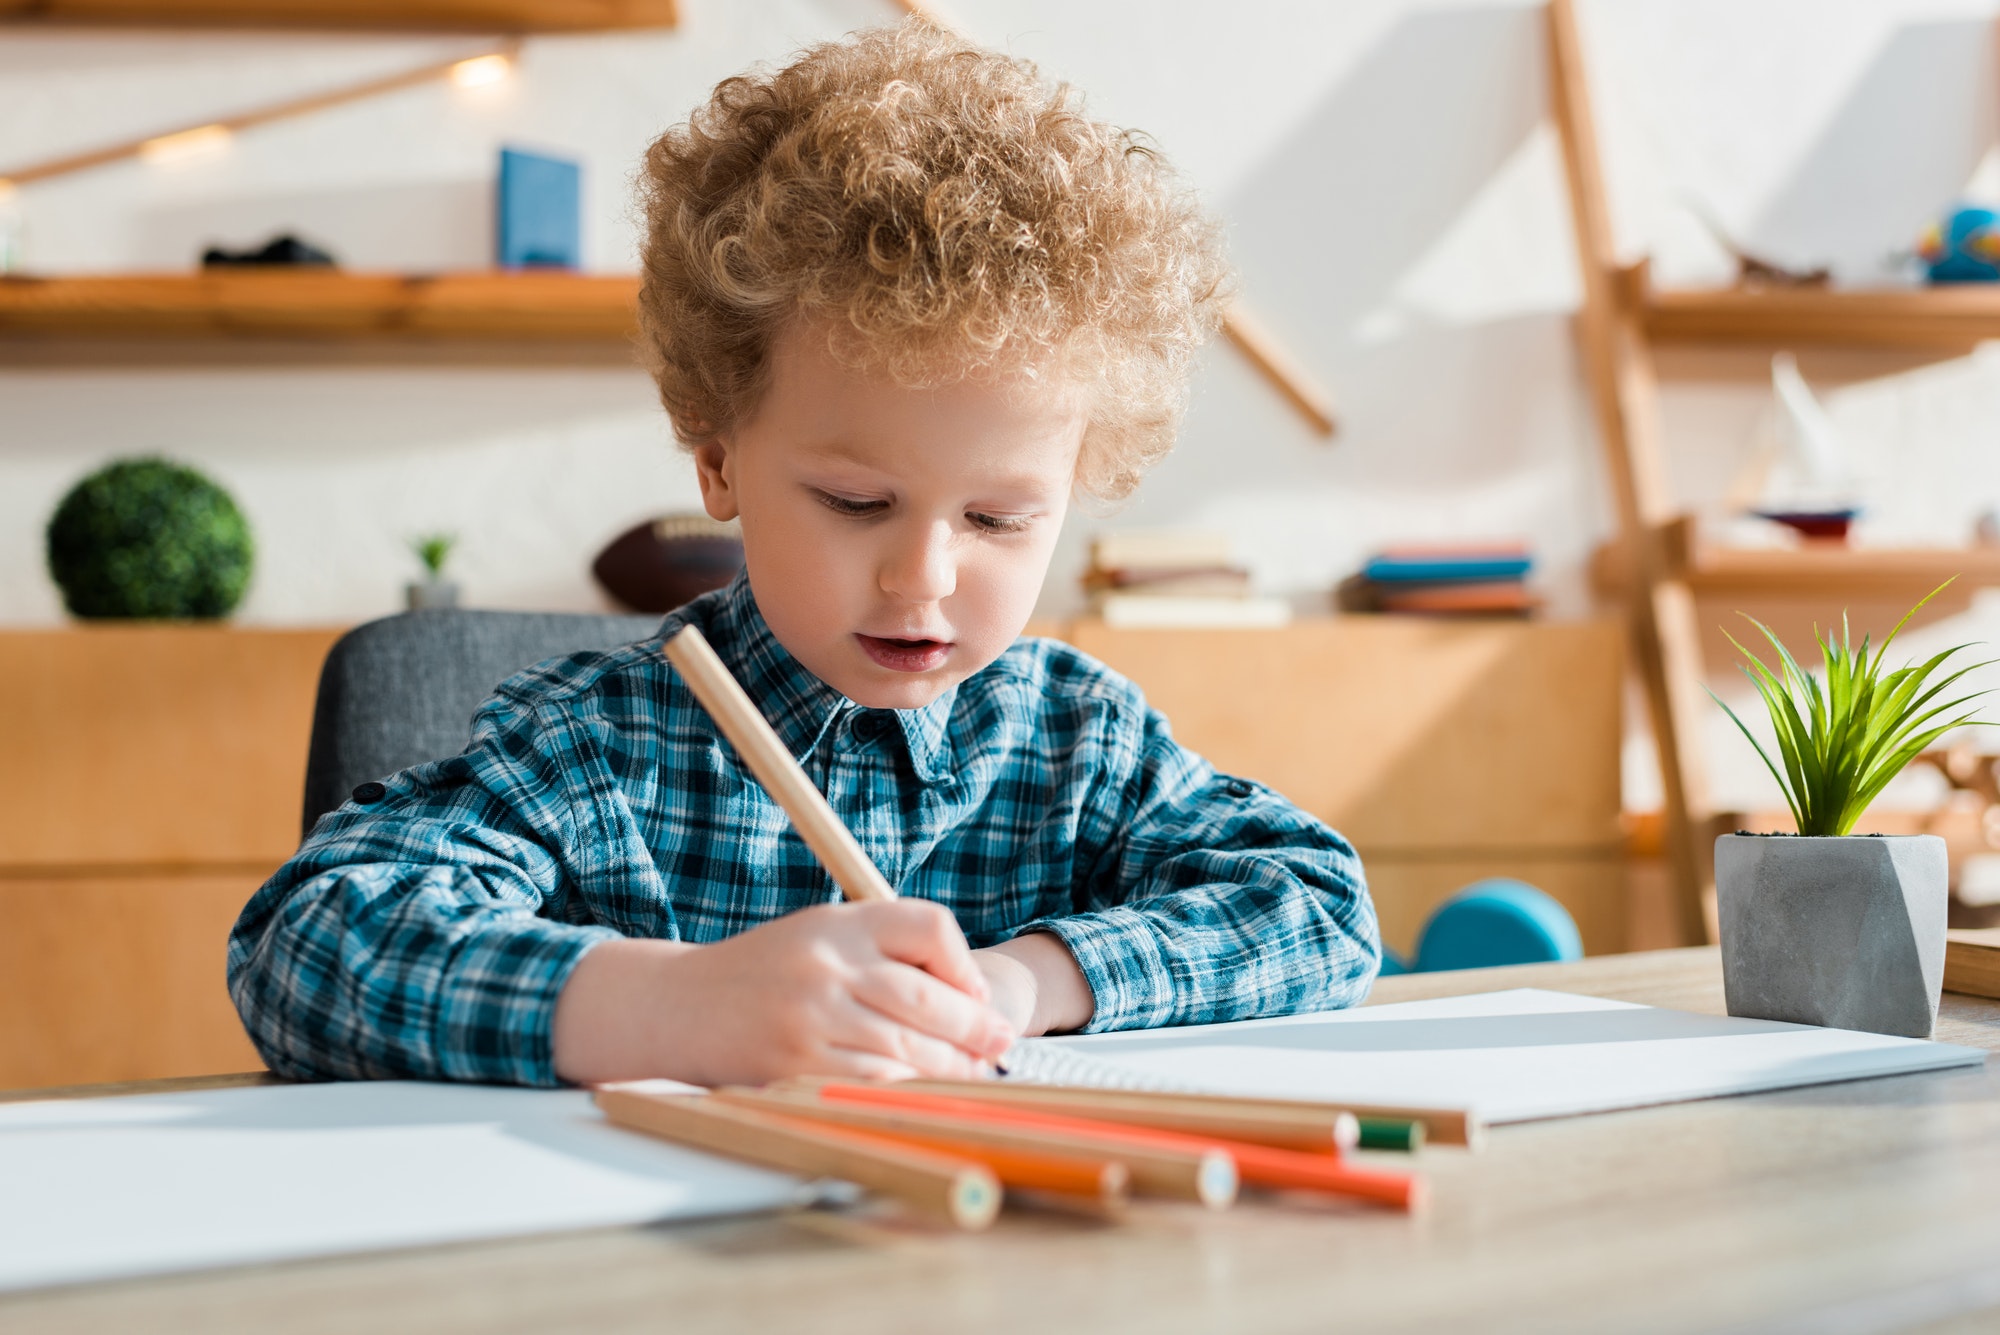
(1840, 572)
(245, 306)
(1939, 318)
(472, 15)
(1813, 571)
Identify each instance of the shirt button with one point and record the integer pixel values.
(370, 792)
(1239, 789)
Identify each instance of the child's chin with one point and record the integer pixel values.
(879, 689)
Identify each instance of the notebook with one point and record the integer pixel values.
(1509, 1056)
(95, 1189)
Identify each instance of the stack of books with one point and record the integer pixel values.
(1487, 579)
(1162, 578)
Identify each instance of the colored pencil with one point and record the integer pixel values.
(1442, 1126)
(1023, 1163)
(1288, 1170)
(957, 1189)
(733, 712)
(1285, 1170)
(1306, 1127)
(1190, 1172)
(1391, 1133)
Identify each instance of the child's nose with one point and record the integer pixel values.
(920, 568)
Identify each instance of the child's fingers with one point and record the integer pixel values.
(924, 934)
(853, 1064)
(917, 1001)
(861, 1029)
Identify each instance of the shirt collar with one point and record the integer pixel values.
(799, 706)
(926, 732)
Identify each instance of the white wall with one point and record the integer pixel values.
(1391, 186)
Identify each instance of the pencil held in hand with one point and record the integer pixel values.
(774, 767)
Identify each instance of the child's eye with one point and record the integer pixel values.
(1000, 523)
(848, 505)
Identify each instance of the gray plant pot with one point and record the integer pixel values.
(1845, 932)
(430, 593)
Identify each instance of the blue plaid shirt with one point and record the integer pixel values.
(427, 933)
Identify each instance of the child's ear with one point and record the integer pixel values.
(714, 467)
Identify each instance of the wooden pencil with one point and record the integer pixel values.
(739, 720)
(957, 1189)
(1022, 1163)
(1259, 1164)
(1178, 1172)
(1306, 1128)
(1442, 1126)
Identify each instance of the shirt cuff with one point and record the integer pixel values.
(1119, 951)
(496, 1012)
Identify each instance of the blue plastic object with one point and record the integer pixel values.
(540, 223)
(1963, 246)
(1495, 922)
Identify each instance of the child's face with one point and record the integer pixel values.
(896, 538)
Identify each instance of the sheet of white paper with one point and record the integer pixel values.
(107, 1188)
(1510, 1056)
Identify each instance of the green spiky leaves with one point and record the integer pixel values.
(1843, 739)
(433, 549)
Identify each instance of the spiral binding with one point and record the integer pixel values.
(1033, 1063)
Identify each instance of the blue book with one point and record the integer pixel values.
(540, 213)
(1447, 567)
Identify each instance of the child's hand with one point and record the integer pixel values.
(876, 991)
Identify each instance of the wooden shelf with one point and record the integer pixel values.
(1809, 571)
(1840, 572)
(1938, 318)
(470, 15)
(224, 305)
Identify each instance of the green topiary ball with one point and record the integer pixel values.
(145, 538)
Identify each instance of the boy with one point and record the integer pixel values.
(901, 301)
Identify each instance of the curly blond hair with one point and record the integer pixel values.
(940, 212)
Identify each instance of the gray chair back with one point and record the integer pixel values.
(400, 691)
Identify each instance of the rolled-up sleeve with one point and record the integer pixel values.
(1213, 898)
(420, 935)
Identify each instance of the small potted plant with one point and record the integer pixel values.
(435, 590)
(1828, 927)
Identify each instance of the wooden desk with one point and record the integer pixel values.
(1860, 1207)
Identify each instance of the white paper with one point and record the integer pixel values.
(1509, 1056)
(107, 1188)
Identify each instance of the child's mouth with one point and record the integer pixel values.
(905, 655)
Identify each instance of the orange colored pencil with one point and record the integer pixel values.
(1289, 1170)
(1102, 1180)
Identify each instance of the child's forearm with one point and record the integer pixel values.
(1037, 984)
(608, 1025)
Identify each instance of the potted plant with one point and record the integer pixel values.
(1828, 927)
(148, 539)
(433, 549)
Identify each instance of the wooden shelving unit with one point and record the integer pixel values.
(231, 304)
(432, 15)
(1943, 319)
(225, 314)
(1808, 571)
(1837, 572)
(1658, 567)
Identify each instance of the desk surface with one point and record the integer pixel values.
(1861, 1207)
